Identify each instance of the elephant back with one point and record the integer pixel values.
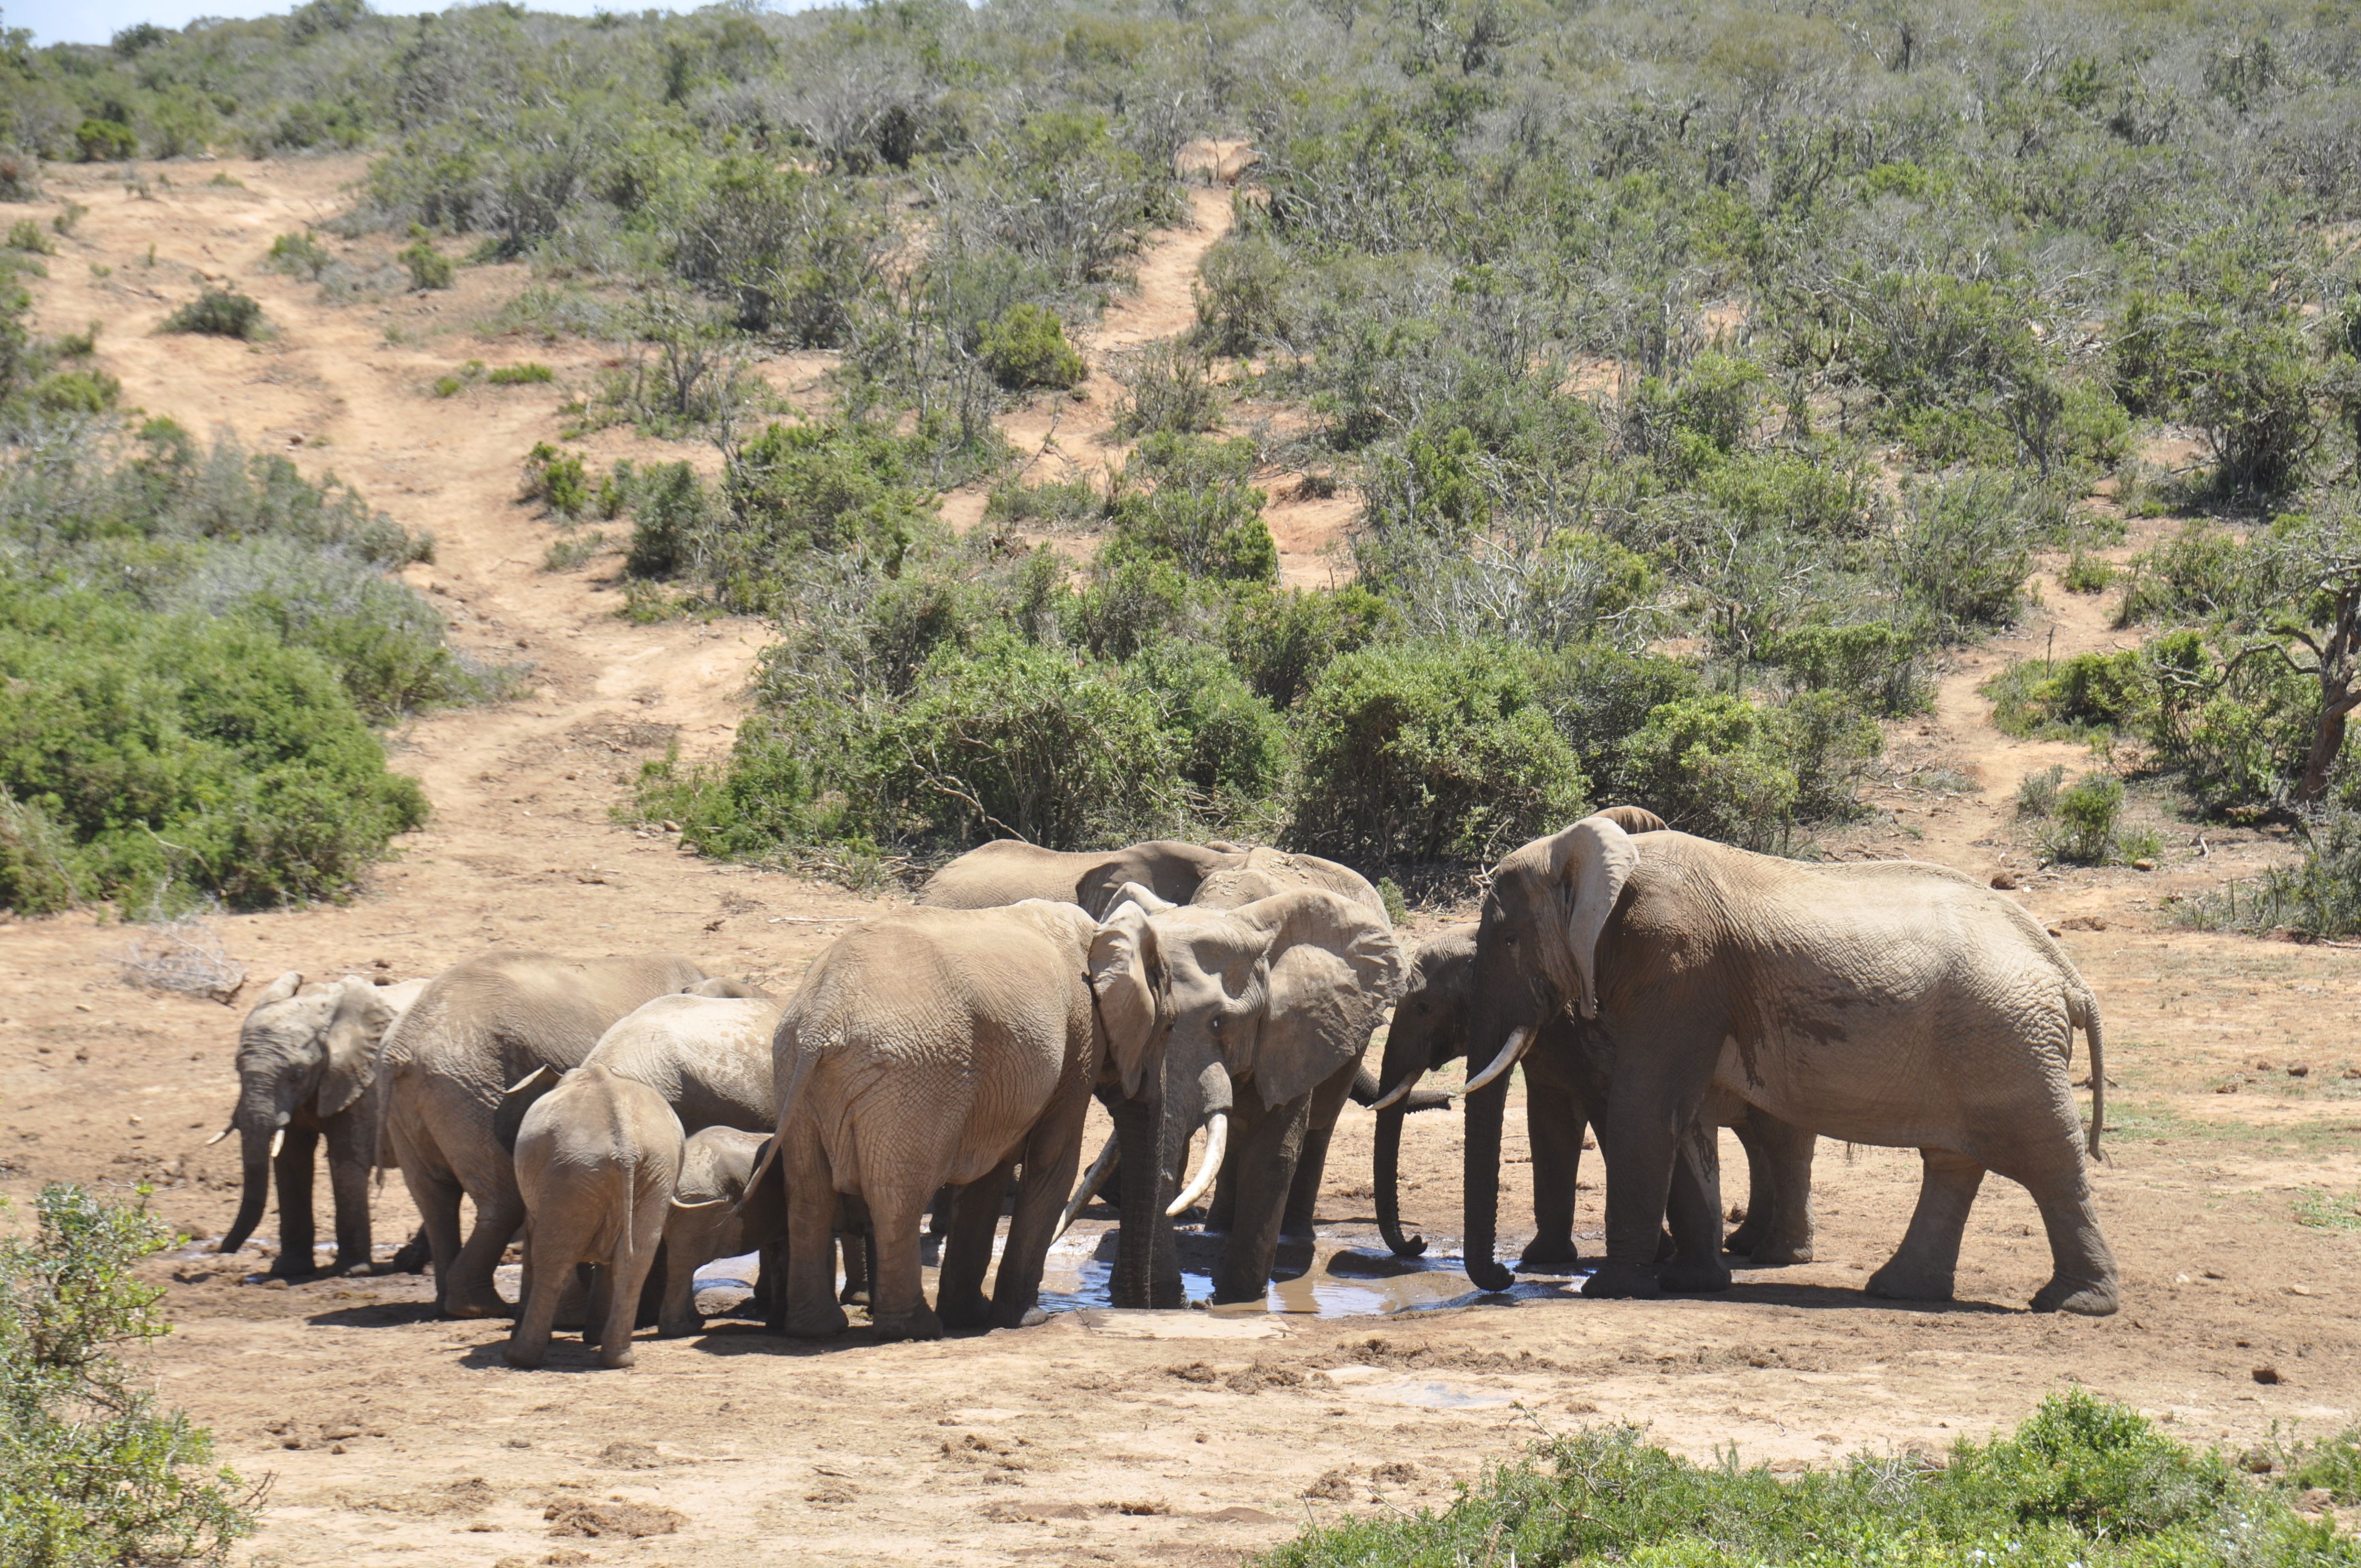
(491, 1020)
(1265, 873)
(709, 1056)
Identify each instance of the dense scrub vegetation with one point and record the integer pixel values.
(1701, 376)
(91, 1471)
(194, 646)
(2081, 1481)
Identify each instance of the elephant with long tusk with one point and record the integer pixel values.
(307, 1070)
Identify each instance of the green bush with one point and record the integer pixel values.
(834, 486)
(530, 373)
(1026, 347)
(1187, 500)
(220, 313)
(1963, 550)
(2088, 694)
(1242, 296)
(299, 255)
(2319, 896)
(76, 392)
(91, 1471)
(104, 141)
(2198, 573)
(1052, 504)
(428, 268)
(1229, 748)
(557, 479)
(759, 802)
(2080, 1481)
(25, 235)
(2037, 793)
(1169, 389)
(2085, 814)
(1429, 752)
(1878, 666)
(672, 513)
(1720, 767)
(1280, 639)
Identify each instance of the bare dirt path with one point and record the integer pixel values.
(1096, 1438)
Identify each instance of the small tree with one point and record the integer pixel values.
(2315, 563)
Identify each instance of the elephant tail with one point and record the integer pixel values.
(2082, 1010)
(787, 1105)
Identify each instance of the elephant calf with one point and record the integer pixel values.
(715, 1215)
(598, 1160)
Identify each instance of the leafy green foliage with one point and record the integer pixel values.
(428, 268)
(299, 255)
(1026, 347)
(2320, 895)
(2080, 1481)
(557, 479)
(2085, 814)
(91, 1471)
(220, 313)
(1187, 500)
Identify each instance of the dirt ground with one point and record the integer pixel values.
(387, 1436)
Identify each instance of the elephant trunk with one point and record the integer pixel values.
(1485, 1108)
(255, 1148)
(1387, 1172)
(1137, 1123)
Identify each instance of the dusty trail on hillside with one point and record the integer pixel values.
(1115, 1438)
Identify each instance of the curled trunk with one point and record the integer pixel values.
(1386, 1172)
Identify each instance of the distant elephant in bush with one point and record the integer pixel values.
(1265, 1010)
(1009, 871)
(1562, 1093)
(945, 1046)
(715, 1215)
(446, 1067)
(598, 1160)
(1891, 1003)
(307, 1070)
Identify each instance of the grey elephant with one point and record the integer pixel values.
(598, 1160)
(446, 1116)
(1894, 1004)
(1009, 871)
(945, 1046)
(1562, 1095)
(1265, 1008)
(307, 1071)
(716, 1213)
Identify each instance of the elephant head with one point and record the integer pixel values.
(1268, 998)
(304, 1048)
(1429, 1030)
(1536, 953)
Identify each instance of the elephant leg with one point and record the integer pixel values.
(1271, 1142)
(1921, 1269)
(350, 1159)
(528, 1340)
(649, 1312)
(1779, 1179)
(811, 1308)
(631, 1273)
(960, 1301)
(2083, 1279)
(415, 1255)
(437, 1197)
(857, 1238)
(897, 1301)
(1311, 1167)
(293, 1170)
(1693, 1208)
(1053, 1158)
(677, 1313)
(1554, 1118)
(1656, 1088)
(1743, 1241)
(940, 1209)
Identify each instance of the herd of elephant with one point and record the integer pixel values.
(623, 1112)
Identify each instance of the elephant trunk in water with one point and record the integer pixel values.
(1387, 1172)
(1484, 1110)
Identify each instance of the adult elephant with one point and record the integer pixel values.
(1896, 1004)
(1562, 1095)
(307, 1071)
(1010, 871)
(448, 1120)
(707, 1055)
(1263, 1006)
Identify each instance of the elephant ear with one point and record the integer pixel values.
(1133, 892)
(1126, 980)
(279, 989)
(1589, 863)
(1333, 969)
(359, 1021)
(1632, 818)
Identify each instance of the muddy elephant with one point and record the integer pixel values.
(1562, 1094)
(307, 1071)
(598, 1160)
(1009, 871)
(716, 1213)
(1265, 1009)
(946, 1046)
(1895, 1004)
(447, 1119)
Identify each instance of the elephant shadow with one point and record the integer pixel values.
(1840, 1297)
(375, 1315)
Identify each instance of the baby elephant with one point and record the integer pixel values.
(597, 1159)
(713, 1215)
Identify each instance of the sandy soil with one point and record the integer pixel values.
(1114, 1437)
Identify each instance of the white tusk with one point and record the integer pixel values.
(220, 1136)
(526, 1081)
(1393, 1096)
(1519, 1040)
(1217, 1143)
(1092, 1179)
(680, 1207)
(277, 1140)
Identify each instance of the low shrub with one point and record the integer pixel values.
(104, 141)
(25, 235)
(1052, 504)
(91, 1470)
(2086, 695)
(1026, 347)
(531, 373)
(220, 313)
(1187, 500)
(299, 255)
(1281, 638)
(557, 479)
(1169, 388)
(2037, 793)
(428, 268)
(1229, 748)
(2083, 821)
(2081, 1480)
(672, 510)
(1964, 549)
(1430, 751)
(2319, 896)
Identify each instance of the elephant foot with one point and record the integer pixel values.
(680, 1328)
(2086, 1298)
(966, 1312)
(1772, 1253)
(412, 1258)
(1667, 1249)
(1692, 1278)
(1743, 1241)
(821, 1324)
(488, 1306)
(1552, 1256)
(920, 1323)
(1900, 1281)
(1623, 1282)
(615, 1360)
(521, 1358)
